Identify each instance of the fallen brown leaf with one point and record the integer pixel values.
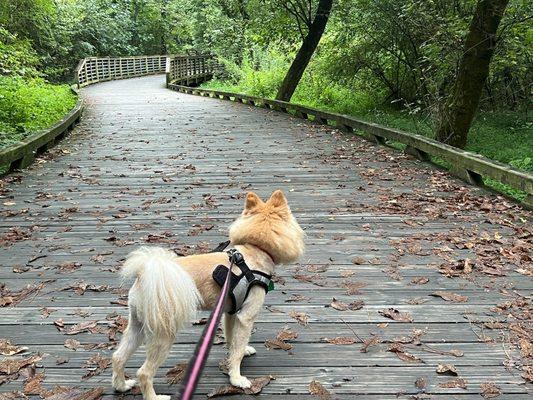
(96, 365)
(340, 340)
(396, 315)
(340, 306)
(358, 260)
(300, 317)
(446, 369)
(454, 383)
(317, 389)
(420, 383)
(13, 365)
(72, 344)
(277, 344)
(420, 280)
(86, 326)
(8, 349)
(286, 334)
(176, 373)
(32, 385)
(257, 386)
(489, 390)
(371, 341)
(78, 394)
(449, 296)
(398, 349)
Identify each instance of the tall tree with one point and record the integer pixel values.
(458, 110)
(315, 29)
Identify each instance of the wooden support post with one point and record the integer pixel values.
(321, 120)
(45, 147)
(251, 102)
(375, 138)
(23, 162)
(466, 175)
(413, 151)
(301, 114)
(528, 201)
(346, 128)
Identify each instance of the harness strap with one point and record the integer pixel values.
(240, 285)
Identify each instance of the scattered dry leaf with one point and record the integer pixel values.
(454, 383)
(403, 355)
(8, 349)
(396, 315)
(176, 373)
(446, 369)
(300, 317)
(257, 386)
(341, 306)
(449, 296)
(317, 389)
(489, 390)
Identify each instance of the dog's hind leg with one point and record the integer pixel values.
(131, 340)
(157, 349)
(229, 321)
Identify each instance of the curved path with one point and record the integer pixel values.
(148, 165)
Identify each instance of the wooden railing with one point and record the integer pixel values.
(98, 69)
(470, 167)
(190, 69)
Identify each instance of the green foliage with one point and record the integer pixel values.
(27, 106)
(17, 57)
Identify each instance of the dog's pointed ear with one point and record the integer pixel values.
(277, 199)
(252, 201)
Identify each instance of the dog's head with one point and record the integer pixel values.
(271, 226)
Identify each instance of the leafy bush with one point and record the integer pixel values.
(17, 57)
(27, 106)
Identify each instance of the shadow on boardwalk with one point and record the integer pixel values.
(148, 165)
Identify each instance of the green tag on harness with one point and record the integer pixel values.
(270, 286)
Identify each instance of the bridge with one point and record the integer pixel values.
(414, 284)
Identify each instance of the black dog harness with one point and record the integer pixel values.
(240, 285)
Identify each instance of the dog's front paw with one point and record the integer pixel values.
(241, 381)
(162, 397)
(125, 386)
(249, 351)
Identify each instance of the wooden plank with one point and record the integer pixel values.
(138, 143)
(339, 380)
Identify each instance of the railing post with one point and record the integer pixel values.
(167, 70)
(97, 74)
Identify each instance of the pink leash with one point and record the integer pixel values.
(199, 358)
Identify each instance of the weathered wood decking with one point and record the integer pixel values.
(150, 165)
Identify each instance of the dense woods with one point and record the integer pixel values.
(417, 65)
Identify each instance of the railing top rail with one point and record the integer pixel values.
(468, 166)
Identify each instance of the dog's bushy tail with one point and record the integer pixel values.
(164, 296)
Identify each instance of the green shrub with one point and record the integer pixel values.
(27, 106)
(17, 57)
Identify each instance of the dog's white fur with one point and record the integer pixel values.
(169, 290)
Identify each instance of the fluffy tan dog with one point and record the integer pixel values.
(168, 290)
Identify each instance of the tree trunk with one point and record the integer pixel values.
(458, 110)
(309, 45)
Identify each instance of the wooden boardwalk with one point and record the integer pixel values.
(148, 165)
